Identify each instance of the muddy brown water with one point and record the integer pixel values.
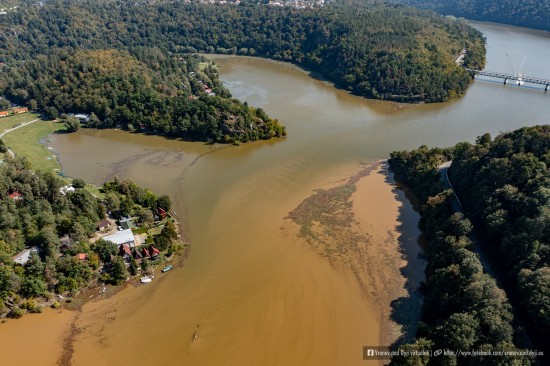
(256, 290)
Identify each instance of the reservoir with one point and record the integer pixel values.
(303, 250)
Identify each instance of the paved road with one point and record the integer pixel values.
(457, 207)
(5, 132)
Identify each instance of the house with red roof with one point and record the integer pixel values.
(16, 196)
(154, 252)
(145, 253)
(81, 256)
(125, 252)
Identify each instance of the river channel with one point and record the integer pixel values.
(302, 250)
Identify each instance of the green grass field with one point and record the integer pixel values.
(12, 121)
(25, 141)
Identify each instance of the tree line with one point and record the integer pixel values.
(505, 188)
(525, 13)
(503, 185)
(371, 49)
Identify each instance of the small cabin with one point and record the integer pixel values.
(103, 226)
(83, 118)
(20, 110)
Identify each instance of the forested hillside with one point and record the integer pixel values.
(525, 13)
(175, 96)
(378, 51)
(504, 188)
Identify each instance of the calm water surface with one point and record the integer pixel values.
(255, 294)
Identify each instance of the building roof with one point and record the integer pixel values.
(127, 224)
(103, 223)
(16, 196)
(81, 256)
(140, 239)
(121, 237)
(66, 189)
(154, 251)
(145, 252)
(25, 255)
(137, 254)
(125, 249)
(66, 241)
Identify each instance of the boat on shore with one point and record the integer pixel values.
(167, 268)
(146, 279)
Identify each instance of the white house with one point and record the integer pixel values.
(25, 255)
(122, 237)
(66, 189)
(83, 118)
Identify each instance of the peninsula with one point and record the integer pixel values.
(57, 238)
(374, 50)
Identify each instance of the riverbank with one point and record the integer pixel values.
(57, 326)
(256, 296)
(382, 107)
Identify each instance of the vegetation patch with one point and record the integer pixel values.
(369, 48)
(56, 239)
(527, 13)
(503, 187)
(149, 91)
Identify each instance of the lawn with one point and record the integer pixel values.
(204, 65)
(95, 190)
(25, 141)
(155, 230)
(12, 121)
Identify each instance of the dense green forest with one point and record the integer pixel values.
(463, 307)
(504, 187)
(179, 96)
(525, 13)
(34, 212)
(374, 50)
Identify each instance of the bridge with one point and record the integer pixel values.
(518, 78)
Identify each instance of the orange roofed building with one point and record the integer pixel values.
(16, 196)
(20, 110)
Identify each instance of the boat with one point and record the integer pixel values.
(167, 268)
(146, 279)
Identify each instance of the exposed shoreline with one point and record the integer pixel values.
(395, 106)
(355, 225)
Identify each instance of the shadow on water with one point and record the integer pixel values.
(406, 310)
